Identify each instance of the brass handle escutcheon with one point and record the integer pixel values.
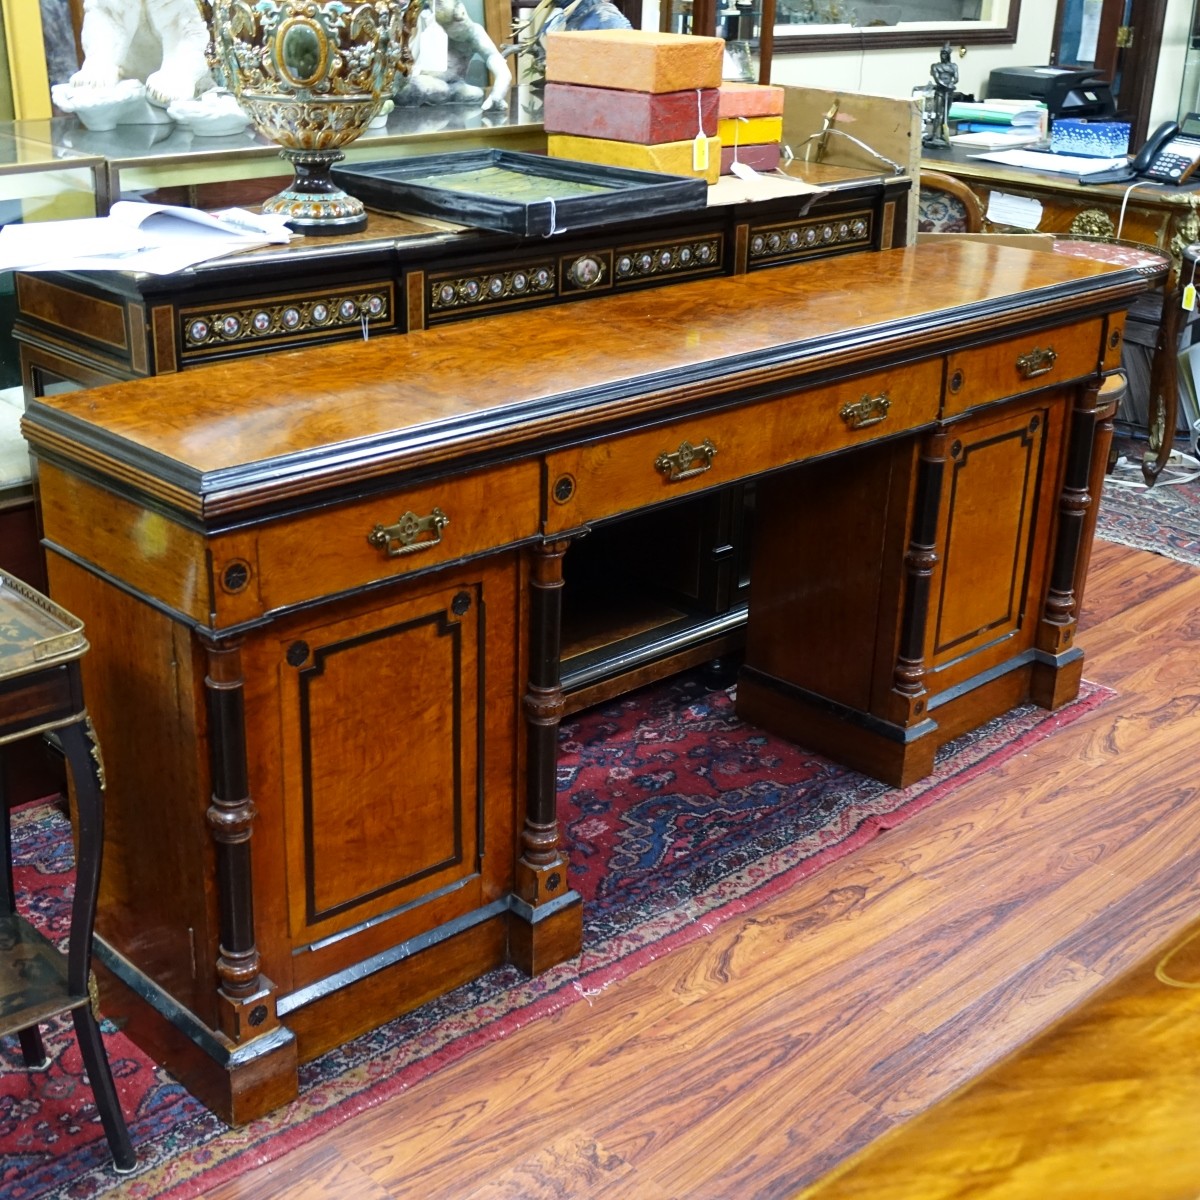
(868, 411)
(401, 538)
(1037, 362)
(687, 462)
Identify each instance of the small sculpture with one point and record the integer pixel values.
(945, 80)
(439, 78)
(159, 41)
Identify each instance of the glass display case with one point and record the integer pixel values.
(38, 182)
(140, 161)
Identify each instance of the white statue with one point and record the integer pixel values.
(445, 47)
(159, 41)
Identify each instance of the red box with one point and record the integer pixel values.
(762, 157)
(645, 117)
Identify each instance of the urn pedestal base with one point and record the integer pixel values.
(314, 204)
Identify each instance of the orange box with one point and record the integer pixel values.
(634, 60)
(750, 100)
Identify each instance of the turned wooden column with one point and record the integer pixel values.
(548, 924)
(1057, 680)
(920, 562)
(1059, 615)
(247, 999)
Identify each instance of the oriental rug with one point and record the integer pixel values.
(678, 816)
(1164, 519)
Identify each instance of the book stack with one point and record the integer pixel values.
(662, 116)
(988, 124)
(750, 126)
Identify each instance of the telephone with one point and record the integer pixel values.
(1170, 155)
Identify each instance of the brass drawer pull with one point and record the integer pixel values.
(687, 462)
(1037, 362)
(401, 538)
(868, 411)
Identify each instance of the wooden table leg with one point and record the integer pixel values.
(83, 758)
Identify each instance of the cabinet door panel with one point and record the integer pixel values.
(994, 548)
(383, 767)
(387, 718)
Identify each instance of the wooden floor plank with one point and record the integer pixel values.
(754, 1059)
(1100, 1107)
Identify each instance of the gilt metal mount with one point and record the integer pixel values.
(870, 410)
(686, 462)
(1037, 362)
(401, 538)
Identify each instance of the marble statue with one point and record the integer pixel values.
(446, 46)
(160, 42)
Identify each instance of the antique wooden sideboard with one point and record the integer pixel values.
(404, 274)
(324, 591)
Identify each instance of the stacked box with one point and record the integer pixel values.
(667, 100)
(750, 125)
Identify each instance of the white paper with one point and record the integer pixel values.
(1039, 160)
(1002, 139)
(24, 245)
(1022, 212)
(1089, 31)
(158, 239)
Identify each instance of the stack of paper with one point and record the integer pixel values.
(1001, 137)
(1017, 113)
(155, 238)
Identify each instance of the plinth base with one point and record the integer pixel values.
(314, 204)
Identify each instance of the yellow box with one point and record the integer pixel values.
(749, 131)
(634, 60)
(669, 158)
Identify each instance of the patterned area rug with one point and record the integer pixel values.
(1164, 519)
(678, 816)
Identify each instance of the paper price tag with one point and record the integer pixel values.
(1189, 297)
(700, 153)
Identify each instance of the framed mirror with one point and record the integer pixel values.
(814, 25)
(791, 26)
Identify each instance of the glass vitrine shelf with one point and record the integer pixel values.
(42, 181)
(137, 159)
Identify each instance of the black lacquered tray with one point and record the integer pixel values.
(512, 192)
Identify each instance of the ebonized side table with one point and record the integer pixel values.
(41, 692)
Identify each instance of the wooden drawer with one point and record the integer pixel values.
(601, 479)
(1022, 364)
(326, 553)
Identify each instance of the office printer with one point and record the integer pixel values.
(1066, 91)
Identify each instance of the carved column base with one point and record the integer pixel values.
(538, 884)
(1054, 638)
(245, 1017)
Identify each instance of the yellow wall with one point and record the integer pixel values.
(25, 60)
(6, 104)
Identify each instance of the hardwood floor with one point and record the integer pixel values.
(1102, 1106)
(752, 1061)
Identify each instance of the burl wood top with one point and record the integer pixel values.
(237, 434)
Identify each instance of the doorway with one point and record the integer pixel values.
(1120, 39)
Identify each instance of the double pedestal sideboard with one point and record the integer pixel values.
(325, 595)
